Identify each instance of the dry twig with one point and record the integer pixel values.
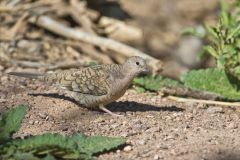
(87, 49)
(62, 30)
(178, 99)
(187, 92)
(3, 100)
(60, 65)
(119, 30)
(11, 34)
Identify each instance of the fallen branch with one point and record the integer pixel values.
(62, 30)
(87, 49)
(187, 92)
(3, 100)
(60, 65)
(27, 6)
(30, 64)
(178, 99)
(11, 33)
(119, 30)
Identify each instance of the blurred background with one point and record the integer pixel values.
(48, 35)
(152, 26)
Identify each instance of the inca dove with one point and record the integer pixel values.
(95, 85)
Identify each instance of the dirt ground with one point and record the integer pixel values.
(156, 128)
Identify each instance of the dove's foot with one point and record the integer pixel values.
(109, 112)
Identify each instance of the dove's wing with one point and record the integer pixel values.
(90, 80)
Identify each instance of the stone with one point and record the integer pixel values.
(127, 148)
(156, 157)
(213, 110)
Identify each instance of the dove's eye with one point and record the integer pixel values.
(137, 63)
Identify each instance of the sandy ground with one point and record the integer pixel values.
(156, 128)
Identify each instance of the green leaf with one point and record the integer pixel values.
(92, 63)
(212, 80)
(225, 15)
(221, 62)
(211, 50)
(212, 32)
(97, 144)
(47, 139)
(28, 156)
(54, 144)
(155, 83)
(24, 156)
(224, 6)
(199, 31)
(225, 19)
(10, 122)
(49, 157)
(48, 146)
(59, 146)
(140, 89)
(235, 32)
(201, 55)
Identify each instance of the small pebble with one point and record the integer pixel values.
(154, 99)
(42, 115)
(65, 129)
(234, 117)
(31, 122)
(156, 157)
(127, 149)
(163, 147)
(213, 110)
(141, 142)
(50, 118)
(27, 115)
(232, 126)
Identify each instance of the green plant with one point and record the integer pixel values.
(225, 42)
(223, 38)
(224, 45)
(212, 80)
(10, 122)
(154, 83)
(48, 146)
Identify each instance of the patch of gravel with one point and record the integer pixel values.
(156, 128)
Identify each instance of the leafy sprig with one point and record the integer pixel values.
(48, 146)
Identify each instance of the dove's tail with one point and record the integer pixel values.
(27, 75)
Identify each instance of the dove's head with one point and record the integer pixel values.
(136, 65)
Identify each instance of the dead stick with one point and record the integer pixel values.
(61, 65)
(86, 48)
(2, 100)
(60, 29)
(187, 92)
(178, 99)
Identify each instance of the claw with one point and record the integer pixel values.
(109, 112)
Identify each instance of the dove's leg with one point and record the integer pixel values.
(108, 111)
(81, 99)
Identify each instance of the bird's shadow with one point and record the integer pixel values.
(126, 106)
(131, 106)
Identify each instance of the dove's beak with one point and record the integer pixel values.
(146, 71)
